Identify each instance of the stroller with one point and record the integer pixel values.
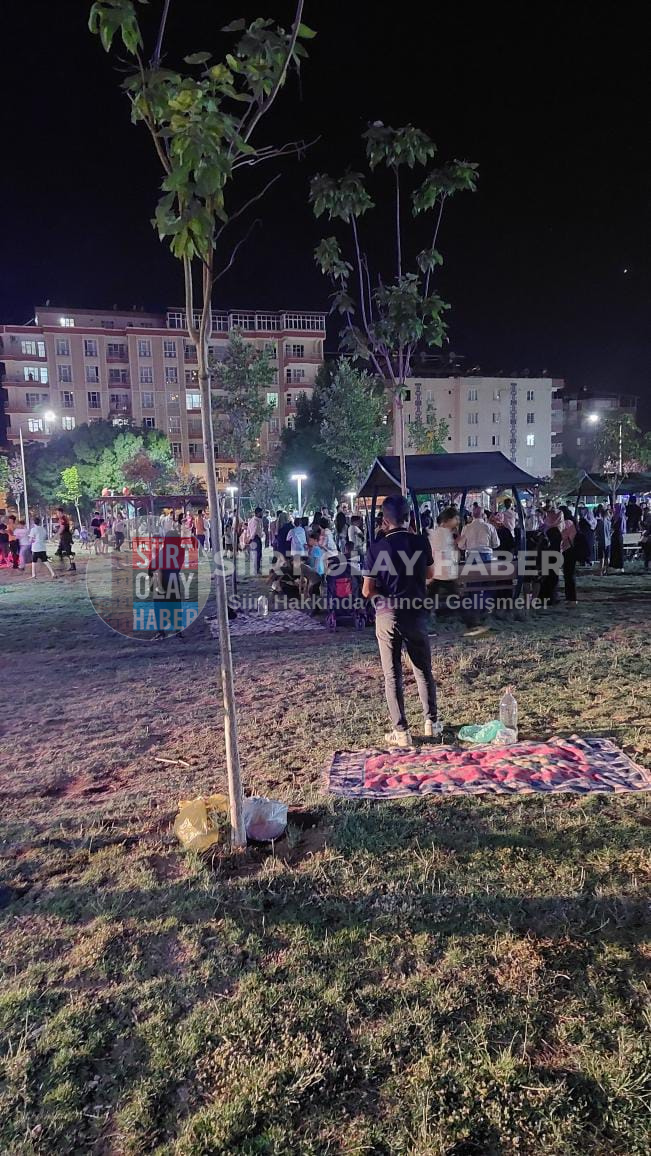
(343, 599)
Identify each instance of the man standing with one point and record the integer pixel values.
(254, 532)
(398, 567)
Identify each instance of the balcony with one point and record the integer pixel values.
(119, 411)
(118, 355)
(190, 355)
(196, 456)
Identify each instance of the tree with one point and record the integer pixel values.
(186, 484)
(353, 421)
(240, 407)
(269, 489)
(146, 473)
(71, 490)
(302, 451)
(619, 447)
(16, 481)
(202, 121)
(428, 437)
(4, 474)
(388, 317)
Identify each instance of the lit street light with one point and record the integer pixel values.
(299, 479)
(232, 490)
(593, 418)
(351, 495)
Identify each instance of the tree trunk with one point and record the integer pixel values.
(238, 833)
(400, 440)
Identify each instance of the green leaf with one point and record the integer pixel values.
(306, 33)
(198, 58)
(235, 26)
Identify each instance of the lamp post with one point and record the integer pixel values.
(22, 462)
(232, 490)
(299, 479)
(351, 495)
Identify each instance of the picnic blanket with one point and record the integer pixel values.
(572, 764)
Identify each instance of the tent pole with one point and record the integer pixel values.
(371, 522)
(414, 502)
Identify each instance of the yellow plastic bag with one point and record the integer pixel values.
(197, 825)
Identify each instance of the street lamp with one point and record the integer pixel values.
(351, 495)
(232, 490)
(593, 418)
(299, 479)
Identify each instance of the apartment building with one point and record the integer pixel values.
(491, 413)
(576, 444)
(134, 368)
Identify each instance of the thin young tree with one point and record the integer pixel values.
(16, 480)
(202, 119)
(71, 489)
(386, 317)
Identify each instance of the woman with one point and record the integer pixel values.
(603, 534)
(65, 542)
(569, 552)
(585, 545)
(617, 538)
(341, 530)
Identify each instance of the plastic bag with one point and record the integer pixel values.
(493, 732)
(199, 824)
(264, 819)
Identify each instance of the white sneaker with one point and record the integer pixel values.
(396, 738)
(433, 728)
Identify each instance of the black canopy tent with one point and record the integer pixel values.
(445, 473)
(593, 485)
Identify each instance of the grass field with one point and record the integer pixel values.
(426, 978)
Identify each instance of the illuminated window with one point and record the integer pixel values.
(173, 400)
(531, 439)
(67, 423)
(67, 322)
(35, 424)
(192, 400)
(33, 348)
(191, 377)
(36, 373)
(272, 399)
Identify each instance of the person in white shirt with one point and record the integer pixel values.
(509, 516)
(328, 538)
(444, 549)
(22, 537)
(38, 543)
(479, 537)
(356, 539)
(297, 539)
(254, 534)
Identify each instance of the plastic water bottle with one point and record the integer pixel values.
(509, 710)
(263, 606)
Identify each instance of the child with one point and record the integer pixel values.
(38, 543)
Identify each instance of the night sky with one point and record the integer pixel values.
(552, 101)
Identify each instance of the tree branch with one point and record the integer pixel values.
(436, 233)
(193, 332)
(292, 148)
(398, 237)
(360, 274)
(238, 246)
(247, 205)
(155, 60)
(266, 104)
